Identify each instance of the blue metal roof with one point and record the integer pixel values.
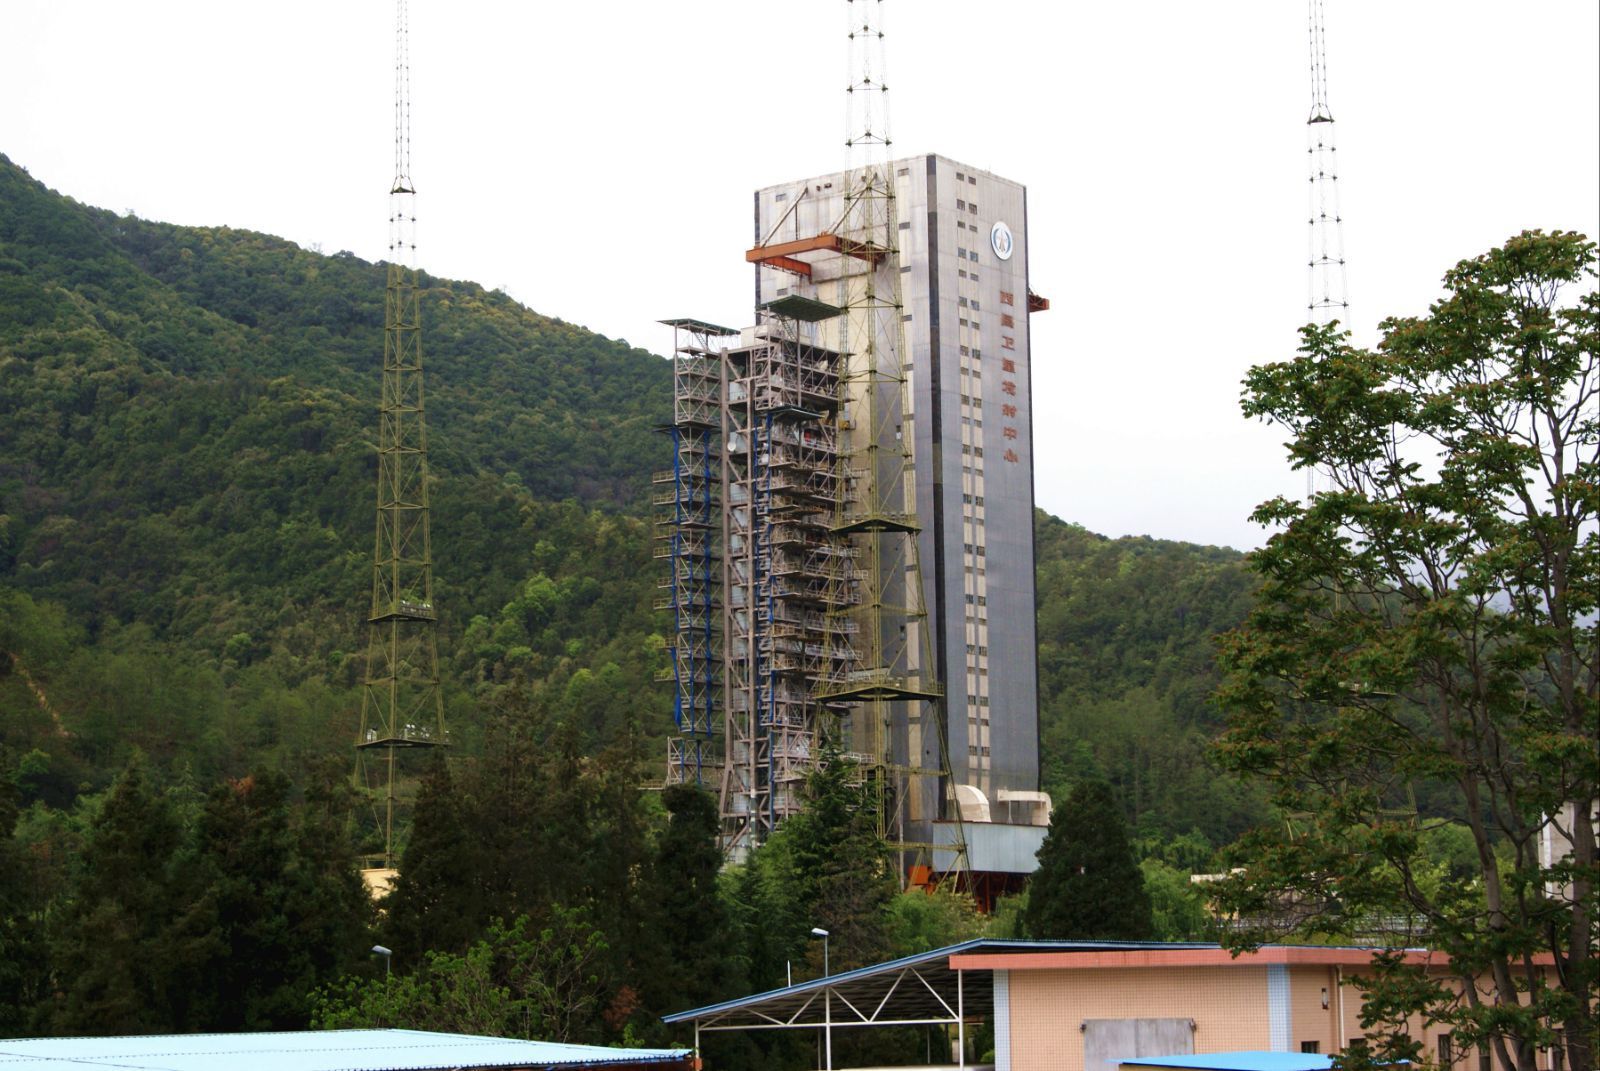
(1249, 1060)
(318, 1050)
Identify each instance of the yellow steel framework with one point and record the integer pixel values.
(897, 731)
(401, 705)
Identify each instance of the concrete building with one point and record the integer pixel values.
(942, 441)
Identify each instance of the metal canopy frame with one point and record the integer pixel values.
(918, 990)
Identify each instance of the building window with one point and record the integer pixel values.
(961, 206)
(904, 172)
(782, 195)
(971, 180)
(960, 176)
(906, 226)
(1311, 1046)
(1447, 1047)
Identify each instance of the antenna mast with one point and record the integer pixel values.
(1327, 297)
(401, 706)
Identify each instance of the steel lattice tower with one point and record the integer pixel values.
(401, 705)
(897, 719)
(1327, 297)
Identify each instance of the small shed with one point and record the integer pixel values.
(332, 1050)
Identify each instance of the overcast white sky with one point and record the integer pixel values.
(596, 161)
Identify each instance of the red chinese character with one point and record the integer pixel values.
(1008, 410)
(1007, 320)
(1008, 342)
(1006, 298)
(1011, 456)
(1009, 432)
(1008, 365)
(1008, 386)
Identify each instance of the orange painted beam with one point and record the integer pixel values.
(763, 254)
(1191, 957)
(788, 264)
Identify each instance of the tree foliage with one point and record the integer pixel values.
(1088, 885)
(1427, 628)
(519, 980)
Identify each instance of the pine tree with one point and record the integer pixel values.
(273, 907)
(114, 970)
(690, 962)
(836, 866)
(23, 957)
(438, 901)
(1088, 886)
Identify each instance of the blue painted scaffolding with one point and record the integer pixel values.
(689, 539)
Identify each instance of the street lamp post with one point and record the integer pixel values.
(818, 931)
(827, 999)
(388, 960)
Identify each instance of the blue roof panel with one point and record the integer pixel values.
(1250, 1060)
(316, 1050)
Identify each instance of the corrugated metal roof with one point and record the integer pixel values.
(866, 980)
(318, 1050)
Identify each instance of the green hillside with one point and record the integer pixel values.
(186, 467)
(1126, 639)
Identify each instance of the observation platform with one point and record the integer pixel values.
(787, 256)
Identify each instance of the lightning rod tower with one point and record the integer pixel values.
(1327, 297)
(401, 706)
(895, 676)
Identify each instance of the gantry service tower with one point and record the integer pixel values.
(866, 451)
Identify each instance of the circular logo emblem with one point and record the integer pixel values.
(1000, 239)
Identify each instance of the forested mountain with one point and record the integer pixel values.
(186, 457)
(186, 460)
(1126, 670)
(186, 519)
